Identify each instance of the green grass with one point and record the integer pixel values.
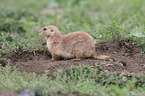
(103, 19)
(82, 80)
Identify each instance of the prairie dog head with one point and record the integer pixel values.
(48, 31)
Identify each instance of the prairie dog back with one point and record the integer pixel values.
(80, 40)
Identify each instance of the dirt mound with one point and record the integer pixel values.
(40, 62)
(126, 47)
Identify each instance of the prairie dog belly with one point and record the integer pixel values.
(68, 55)
(49, 43)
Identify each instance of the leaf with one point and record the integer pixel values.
(139, 32)
(60, 70)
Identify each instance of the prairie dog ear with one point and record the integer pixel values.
(53, 30)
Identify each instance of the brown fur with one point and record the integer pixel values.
(76, 45)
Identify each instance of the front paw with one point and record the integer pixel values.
(52, 59)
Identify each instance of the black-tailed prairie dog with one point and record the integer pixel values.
(77, 45)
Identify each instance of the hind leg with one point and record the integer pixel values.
(79, 56)
(55, 57)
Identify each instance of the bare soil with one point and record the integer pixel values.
(41, 63)
(7, 93)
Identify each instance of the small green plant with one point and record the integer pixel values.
(138, 35)
(101, 76)
(116, 30)
(110, 63)
(5, 43)
(8, 43)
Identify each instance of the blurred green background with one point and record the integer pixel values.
(103, 19)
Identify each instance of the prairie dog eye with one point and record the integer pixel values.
(51, 30)
(44, 29)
